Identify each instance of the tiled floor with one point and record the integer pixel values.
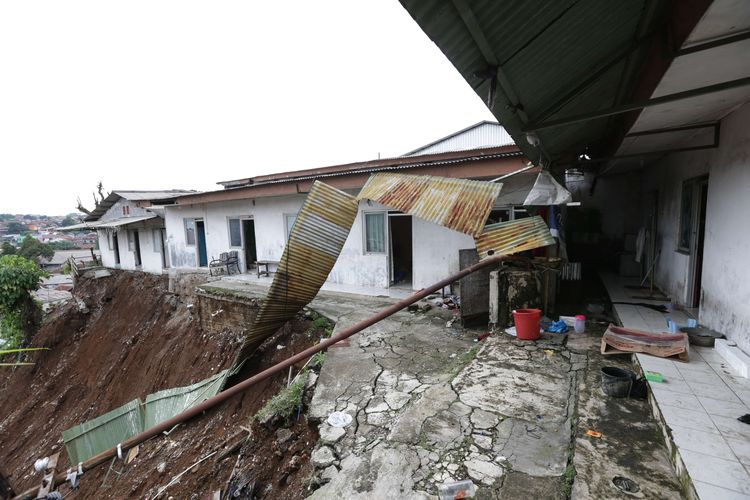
(700, 401)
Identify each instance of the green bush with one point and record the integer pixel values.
(19, 311)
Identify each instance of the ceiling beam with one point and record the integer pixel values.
(638, 105)
(714, 43)
(680, 128)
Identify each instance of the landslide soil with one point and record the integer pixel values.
(133, 338)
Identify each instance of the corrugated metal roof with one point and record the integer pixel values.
(459, 204)
(386, 165)
(505, 238)
(315, 242)
(115, 196)
(478, 136)
(105, 431)
(545, 50)
(166, 404)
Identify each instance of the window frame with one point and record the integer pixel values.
(229, 231)
(384, 214)
(195, 232)
(287, 227)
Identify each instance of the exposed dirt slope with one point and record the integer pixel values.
(131, 339)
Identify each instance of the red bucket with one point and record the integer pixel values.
(527, 323)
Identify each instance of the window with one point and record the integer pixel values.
(156, 238)
(131, 241)
(235, 233)
(125, 210)
(289, 220)
(375, 232)
(189, 232)
(684, 236)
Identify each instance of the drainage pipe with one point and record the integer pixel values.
(193, 411)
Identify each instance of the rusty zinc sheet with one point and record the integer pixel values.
(458, 204)
(514, 236)
(315, 242)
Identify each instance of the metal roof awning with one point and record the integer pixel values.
(122, 221)
(567, 78)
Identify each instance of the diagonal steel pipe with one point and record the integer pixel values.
(154, 431)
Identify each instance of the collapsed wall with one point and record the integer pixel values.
(126, 336)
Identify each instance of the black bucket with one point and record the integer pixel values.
(617, 382)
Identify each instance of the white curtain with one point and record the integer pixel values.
(375, 232)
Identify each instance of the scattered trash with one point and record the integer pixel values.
(161, 468)
(339, 419)
(41, 464)
(216, 313)
(549, 352)
(457, 490)
(654, 376)
(557, 327)
(745, 419)
(280, 347)
(593, 433)
(511, 331)
(450, 322)
(569, 320)
(482, 337)
(626, 485)
(692, 323)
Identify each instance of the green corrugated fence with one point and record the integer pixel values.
(106, 431)
(165, 404)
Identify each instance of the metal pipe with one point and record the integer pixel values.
(154, 431)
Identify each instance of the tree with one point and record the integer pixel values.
(33, 249)
(69, 221)
(8, 248)
(97, 199)
(17, 227)
(20, 313)
(63, 245)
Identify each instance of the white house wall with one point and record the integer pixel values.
(725, 297)
(151, 261)
(435, 252)
(435, 248)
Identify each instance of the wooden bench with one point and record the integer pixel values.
(264, 264)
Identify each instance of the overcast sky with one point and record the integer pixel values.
(183, 94)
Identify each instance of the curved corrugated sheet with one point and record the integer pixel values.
(505, 238)
(315, 243)
(459, 204)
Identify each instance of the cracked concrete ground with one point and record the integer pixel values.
(432, 406)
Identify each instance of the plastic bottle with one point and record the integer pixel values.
(459, 489)
(580, 323)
